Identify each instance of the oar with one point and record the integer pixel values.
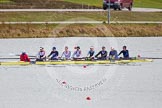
(12, 54)
(8, 58)
(4, 58)
(151, 58)
(28, 55)
(59, 58)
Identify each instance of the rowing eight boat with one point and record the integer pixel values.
(77, 62)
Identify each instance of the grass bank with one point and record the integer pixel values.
(137, 3)
(148, 3)
(72, 3)
(42, 4)
(80, 30)
(65, 16)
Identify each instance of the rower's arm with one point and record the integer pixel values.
(97, 54)
(128, 53)
(50, 54)
(28, 59)
(70, 54)
(105, 54)
(62, 54)
(57, 53)
(38, 55)
(120, 53)
(88, 54)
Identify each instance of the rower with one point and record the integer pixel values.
(41, 55)
(91, 53)
(113, 55)
(24, 57)
(54, 54)
(125, 53)
(103, 54)
(66, 54)
(77, 53)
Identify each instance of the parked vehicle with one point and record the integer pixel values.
(118, 4)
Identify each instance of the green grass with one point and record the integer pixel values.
(65, 16)
(6, 1)
(137, 3)
(87, 2)
(98, 3)
(148, 3)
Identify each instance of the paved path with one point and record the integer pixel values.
(86, 22)
(76, 10)
(146, 10)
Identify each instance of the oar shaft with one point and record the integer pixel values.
(8, 58)
(12, 58)
(28, 55)
(151, 58)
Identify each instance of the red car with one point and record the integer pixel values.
(118, 4)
